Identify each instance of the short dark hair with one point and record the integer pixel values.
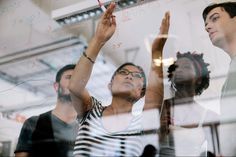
(229, 7)
(62, 70)
(200, 66)
(142, 72)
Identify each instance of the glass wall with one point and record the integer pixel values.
(188, 109)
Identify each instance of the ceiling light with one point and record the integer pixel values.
(85, 16)
(67, 21)
(131, 2)
(123, 4)
(73, 19)
(98, 11)
(92, 14)
(87, 9)
(79, 18)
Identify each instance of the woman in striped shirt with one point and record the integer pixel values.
(113, 130)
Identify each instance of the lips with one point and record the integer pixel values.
(211, 34)
(181, 78)
(129, 84)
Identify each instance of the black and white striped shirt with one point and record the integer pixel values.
(94, 140)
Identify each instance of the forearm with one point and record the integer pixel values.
(155, 89)
(84, 67)
(82, 72)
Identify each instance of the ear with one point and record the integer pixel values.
(109, 86)
(56, 86)
(141, 94)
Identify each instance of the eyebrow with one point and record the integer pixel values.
(131, 71)
(211, 17)
(68, 75)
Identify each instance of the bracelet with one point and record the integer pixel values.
(85, 55)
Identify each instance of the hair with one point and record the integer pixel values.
(62, 70)
(149, 151)
(141, 70)
(208, 154)
(229, 7)
(200, 67)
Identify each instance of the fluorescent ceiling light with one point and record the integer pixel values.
(89, 9)
(77, 8)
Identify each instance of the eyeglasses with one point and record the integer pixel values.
(127, 72)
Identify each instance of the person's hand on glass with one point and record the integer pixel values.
(160, 40)
(107, 25)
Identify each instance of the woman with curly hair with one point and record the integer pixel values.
(182, 118)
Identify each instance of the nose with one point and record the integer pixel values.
(208, 27)
(178, 69)
(129, 76)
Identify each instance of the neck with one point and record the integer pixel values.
(183, 100)
(119, 106)
(185, 90)
(65, 111)
(230, 47)
(184, 95)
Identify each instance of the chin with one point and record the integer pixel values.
(218, 42)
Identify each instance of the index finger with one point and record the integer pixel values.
(167, 17)
(110, 10)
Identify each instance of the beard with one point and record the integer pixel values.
(62, 96)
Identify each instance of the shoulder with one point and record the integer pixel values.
(96, 104)
(211, 116)
(31, 121)
(96, 110)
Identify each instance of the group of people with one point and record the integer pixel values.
(81, 126)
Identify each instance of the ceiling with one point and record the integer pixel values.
(33, 46)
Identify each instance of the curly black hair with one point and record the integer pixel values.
(201, 69)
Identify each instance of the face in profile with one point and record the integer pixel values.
(184, 73)
(220, 26)
(128, 81)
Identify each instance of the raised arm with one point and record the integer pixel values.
(105, 29)
(155, 89)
